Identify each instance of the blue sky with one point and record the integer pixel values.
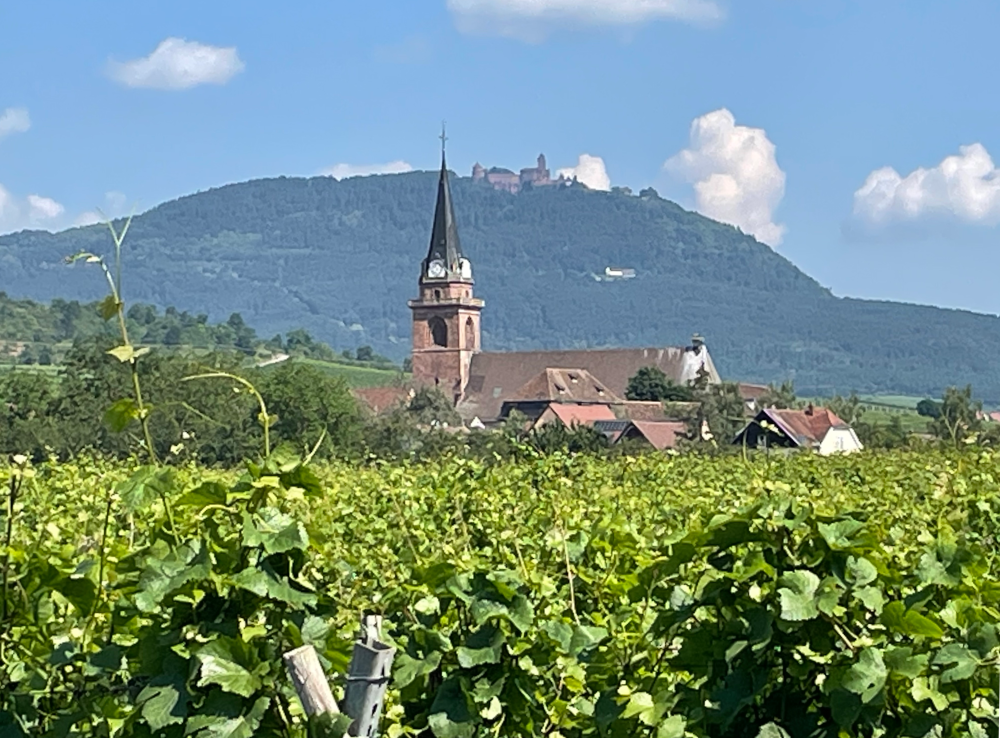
(800, 105)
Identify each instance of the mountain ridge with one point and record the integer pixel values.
(341, 258)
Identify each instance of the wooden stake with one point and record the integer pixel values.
(306, 673)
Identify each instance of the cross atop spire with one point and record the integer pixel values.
(444, 257)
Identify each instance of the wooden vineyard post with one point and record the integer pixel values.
(367, 679)
(306, 673)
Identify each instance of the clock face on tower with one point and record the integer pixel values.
(435, 269)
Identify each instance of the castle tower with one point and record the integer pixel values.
(446, 327)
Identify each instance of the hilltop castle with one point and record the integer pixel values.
(508, 181)
(447, 351)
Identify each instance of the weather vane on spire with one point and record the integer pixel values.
(444, 137)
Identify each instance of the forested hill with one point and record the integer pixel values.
(340, 259)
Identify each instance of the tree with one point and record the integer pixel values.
(366, 353)
(929, 409)
(429, 406)
(308, 402)
(960, 416)
(652, 385)
(781, 398)
(848, 409)
(721, 412)
(27, 356)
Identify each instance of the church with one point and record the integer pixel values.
(486, 385)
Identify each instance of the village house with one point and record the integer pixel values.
(815, 428)
(447, 353)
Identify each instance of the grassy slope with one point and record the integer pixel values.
(357, 376)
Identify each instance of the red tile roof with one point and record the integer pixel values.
(752, 391)
(805, 427)
(660, 435)
(383, 399)
(581, 414)
(495, 377)
(564, 385)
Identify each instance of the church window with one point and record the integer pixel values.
(439, 332)
(470, 334)
(437, 294)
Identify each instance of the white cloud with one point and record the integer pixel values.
(530, 19)
(33, 212)
(965, 186)
(343, 171)
(14, 120)
(177, 64)
(735, 175)
(43, 208)
(589, 170)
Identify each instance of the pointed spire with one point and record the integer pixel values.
(445, 246)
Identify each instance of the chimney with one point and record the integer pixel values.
(809, 409)
(697, 341)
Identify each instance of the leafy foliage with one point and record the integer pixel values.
(677, 596)
(651, 384)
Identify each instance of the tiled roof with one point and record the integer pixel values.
(805, 427)
(564, 385)
(752, 391)
(495, 377)
(661, 435)
(644, 410)
(571, 415)
(382, 399)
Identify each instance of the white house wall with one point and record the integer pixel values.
(840, 441)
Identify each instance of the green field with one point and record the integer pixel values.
(357, 376)
(656, 596)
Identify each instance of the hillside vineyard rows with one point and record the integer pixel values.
(663, 596)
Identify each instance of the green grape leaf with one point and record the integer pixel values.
(867, 676)
(163, 703)
(772, 730)
(485, 646)
(276, 531)
(120, 415)
(219, 666)
(108, 307)
(902, 661)
(860, 571)
(798, 596)
(840, 535)
(897, 618)
(406, 669)
(672, 727)
(206, 493)
(963, 662)
(219, 726)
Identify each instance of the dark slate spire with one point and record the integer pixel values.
(445, 245)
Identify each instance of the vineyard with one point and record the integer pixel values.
(557, 595)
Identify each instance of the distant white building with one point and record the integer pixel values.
(611, 273)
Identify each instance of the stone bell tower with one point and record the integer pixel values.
(446, 316)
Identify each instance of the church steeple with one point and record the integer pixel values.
(444, 257)
(446, 315)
